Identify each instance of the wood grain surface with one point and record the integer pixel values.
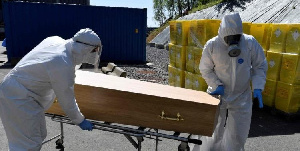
(133, 102)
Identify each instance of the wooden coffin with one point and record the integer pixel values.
(132, 102)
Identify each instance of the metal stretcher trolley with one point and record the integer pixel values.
(139, 133)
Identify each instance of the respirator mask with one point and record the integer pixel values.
(233, 42)
(92, 57)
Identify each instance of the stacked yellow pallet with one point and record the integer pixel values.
(282, 89)
(187, 41)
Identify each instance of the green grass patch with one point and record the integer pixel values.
(201, 7)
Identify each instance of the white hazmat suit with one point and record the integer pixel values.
(46, 72)
(235, 74)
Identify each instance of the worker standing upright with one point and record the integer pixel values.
(45, 73)
(230, 61)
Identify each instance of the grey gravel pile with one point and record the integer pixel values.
(155, 70)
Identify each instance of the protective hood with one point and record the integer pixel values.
(87, 36)
(81, 45)
(231, 24)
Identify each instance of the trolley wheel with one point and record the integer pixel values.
(59, 144)
(186, 148)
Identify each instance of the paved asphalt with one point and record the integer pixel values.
(268, 133)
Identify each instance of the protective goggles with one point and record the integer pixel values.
(96, 49)
(232, 39)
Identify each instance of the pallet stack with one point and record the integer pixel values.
(282, 90)
(187, 41)
(281, 44)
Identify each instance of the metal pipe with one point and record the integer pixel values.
(62, 131)
(140, 139)
(131, 141)
(156, 145)
(50, 139)
(118, 131)
(143, 132)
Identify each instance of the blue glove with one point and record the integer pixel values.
(219, 90)
(86, 125)
(4, 42)
(257, 94)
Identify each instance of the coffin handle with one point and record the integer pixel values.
(164, 117)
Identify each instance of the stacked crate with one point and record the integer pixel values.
(187, 41)
(246, 27)
(288, 87)
(282, 89)
(177, 52)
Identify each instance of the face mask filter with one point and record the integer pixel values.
(92, 57)
(233, 41)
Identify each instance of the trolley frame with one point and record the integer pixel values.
(128, 132)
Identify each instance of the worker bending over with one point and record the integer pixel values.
(45, 73)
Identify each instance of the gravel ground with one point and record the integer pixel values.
(156, 69)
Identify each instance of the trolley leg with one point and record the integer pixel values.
(183, 147)
(137, 145)
(140, 139)
(62, 130)
(132, 141)
(156, 147)
(59, 143)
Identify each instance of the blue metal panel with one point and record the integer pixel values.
(121, 30)
(78, 2)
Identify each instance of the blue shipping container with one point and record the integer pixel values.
(79, 2)
(121, 30)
